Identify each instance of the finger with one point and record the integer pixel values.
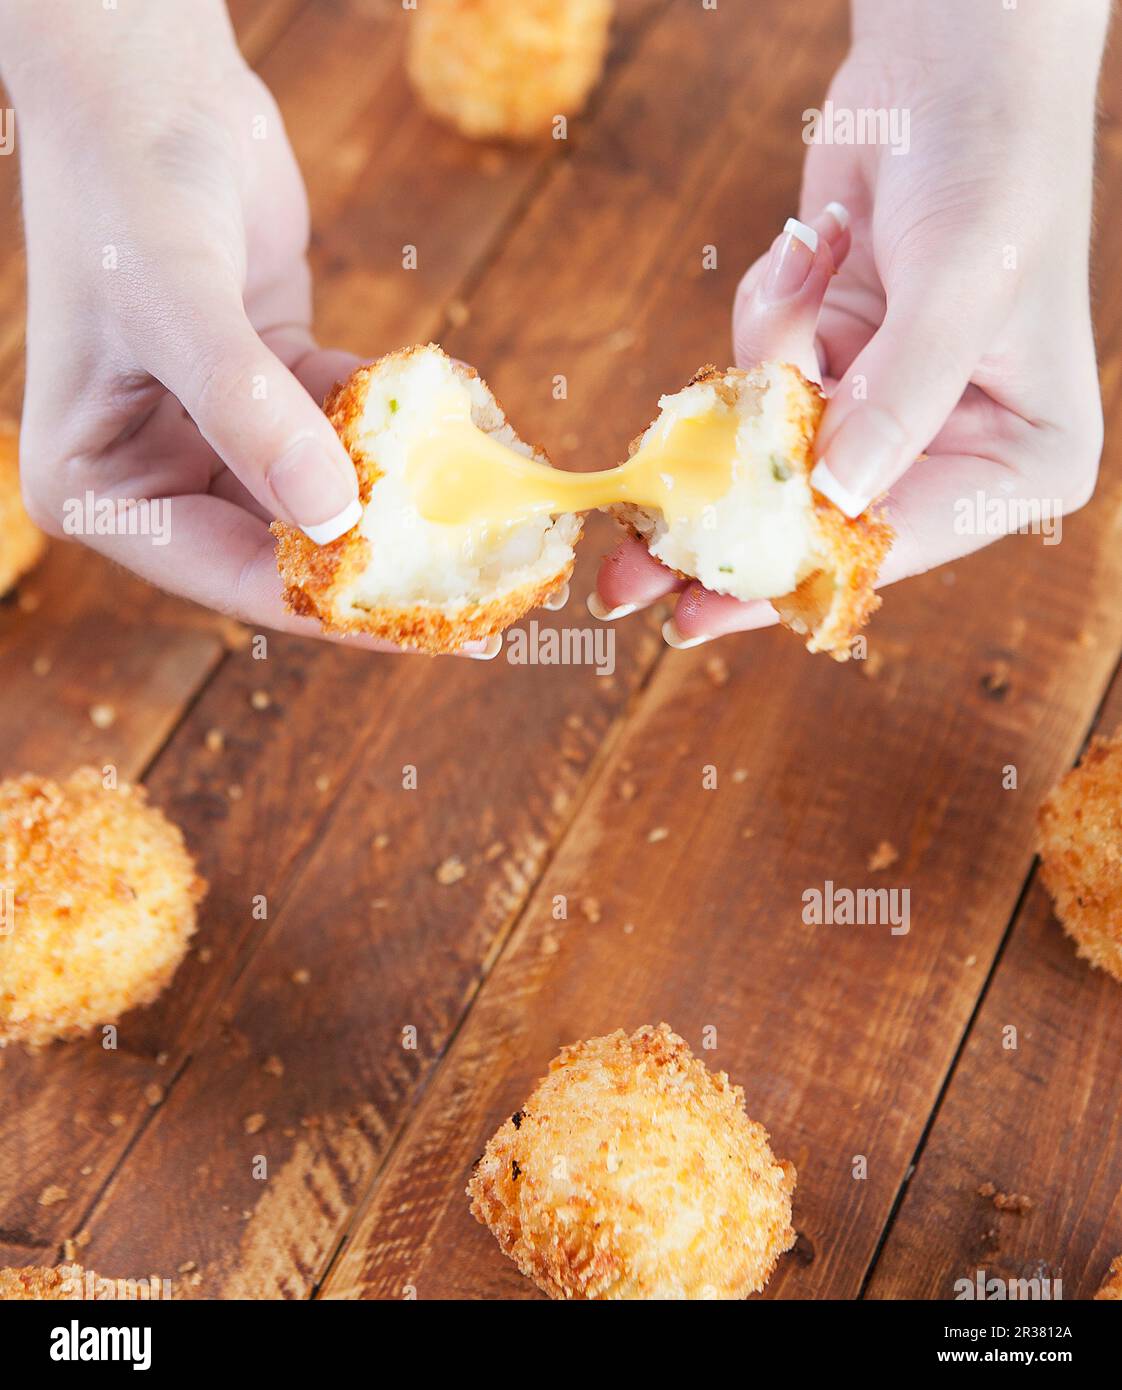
(701, 615)
(900, 390)
(629, 578)
(217, 554)
(255, 414)
(775, 314)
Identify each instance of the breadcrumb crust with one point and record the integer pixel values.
(1079, 836)
(33, 1283)
(21, 542)
(1112, 1285)
(633, 1172)
(103, 895)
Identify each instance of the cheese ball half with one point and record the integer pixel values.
(1079, 836)
(396, 575)
(633, 1172)
(21, 542)
(506, 68)
(771, 535)
(99, 905)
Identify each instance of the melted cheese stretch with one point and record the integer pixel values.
(460, 476)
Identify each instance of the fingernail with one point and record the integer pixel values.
(557, 601)
(791, 260)
(673, 638)
(862, 460)
(315, 491)
(487, 651)
(599, 609)
(839, 212)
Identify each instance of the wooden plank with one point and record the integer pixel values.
(841, 1035)
(503, 755)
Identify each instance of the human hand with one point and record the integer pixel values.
(170, 358)
(958, 323)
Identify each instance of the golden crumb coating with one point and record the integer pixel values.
(317, 578)
(36, 1284)
(1079, 836)
(497, 69)
(99, 898)
(21, 542)
(1112, 1287)
(633, 1172)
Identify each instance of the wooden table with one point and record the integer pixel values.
(583, 259)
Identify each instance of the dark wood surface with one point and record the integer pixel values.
(547, 781)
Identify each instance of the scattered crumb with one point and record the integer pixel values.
(660, 832)
(215, 740)
(28, 601)
(549, 945)
(628, 928)
(494, 851)
(162, 1059)
(627, 789)
(153, 1093)
(747, 833)
(205, 955)
(235, 636)
(995, 682)
(458, 313)
(450, 871)
(717, 669)
(254, 1123)
(187, 1267)
(116, 1119)
(51, 1195)
(102, 716)
(970, 960)
(380, 841)
(323, 783)
(234, 792)
(883, 857)
(41, 666)
(274, 1066)
(740, 774)
(301, 977)
(591, 909)
(1015, 1202)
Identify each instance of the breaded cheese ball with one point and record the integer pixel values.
(99, 905)
(633, 1172)
(1079, 837)
(505, 68)
(395, 575)
(36, 1284)
(771, 535)
(1111, 1290)
(21, 542)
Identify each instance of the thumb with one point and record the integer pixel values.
(259, 419)
(900, 390)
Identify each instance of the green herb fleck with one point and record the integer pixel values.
(779, 470)
(394, 407)
(725, 569)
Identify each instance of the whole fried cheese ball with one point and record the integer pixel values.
(633, 1172)
(21, 542)
(36, 1284)
(506, 68)
(1111, 1290)
(1079, 832)
(99, 905)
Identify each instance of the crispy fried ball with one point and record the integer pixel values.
(1112, 1286)
(507, 68)
(1080, 842)
(633, 1172)
(33, 1283)
(21, 542)
(99, 905)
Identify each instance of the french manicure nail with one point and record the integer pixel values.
(599, 609)
(557, 601)
(839, 212)
(791, 260)
(315, 491)
(489, 650)
(863, 459)
(673, 638)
